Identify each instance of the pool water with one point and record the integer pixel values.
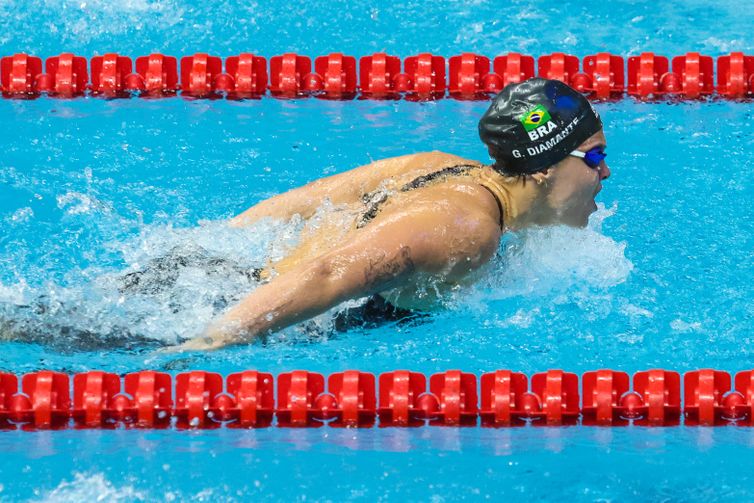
(90, 189)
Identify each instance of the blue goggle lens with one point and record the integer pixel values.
(594, 157)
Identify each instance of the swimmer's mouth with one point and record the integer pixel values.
(599, 188)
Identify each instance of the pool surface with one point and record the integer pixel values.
(90, 189)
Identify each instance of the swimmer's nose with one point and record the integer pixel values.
(604, 171)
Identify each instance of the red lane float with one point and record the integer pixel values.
(695, 73)
(692, 76)
(156, 75)
(660, 391)
(335, 76)
(424, 77)
(703, 396)
(287, 74)
(606, 78)
(557, 394)
(44, 401)
(466, 74)
(357, 399)
(92, 394)
(249, 74)
(379, 76)
(148, 399)
(65, 76)
(109, 74)
(298, 392)
(8, 387)
(254, 401)
(196, 399)
(645, 75)
(503, 399)
(199, 74)
(509, 69)
(558, 66)
(18, 75)
(553, 399)
(604, 398)
(400, 403)
(457, 398)
(740, 404)
(735, 75)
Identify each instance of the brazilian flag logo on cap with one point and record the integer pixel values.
(535, 117)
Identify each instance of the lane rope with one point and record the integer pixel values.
(467, 76)
(401, 398)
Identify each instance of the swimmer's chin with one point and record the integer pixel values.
(584, 223)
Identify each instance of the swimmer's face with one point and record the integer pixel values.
(573, 185)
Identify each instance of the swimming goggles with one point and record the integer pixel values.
(592, 157)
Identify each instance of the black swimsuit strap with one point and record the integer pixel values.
(421, 181)
(499, 206)
(375, 200)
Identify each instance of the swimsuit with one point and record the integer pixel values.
(374, 312)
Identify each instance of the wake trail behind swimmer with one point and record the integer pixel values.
(65, 325)
(71, 323)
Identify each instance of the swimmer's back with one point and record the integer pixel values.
(396, 171)
(350, 186)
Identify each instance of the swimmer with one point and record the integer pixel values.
(396, 225)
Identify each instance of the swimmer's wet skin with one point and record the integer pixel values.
(406, 221)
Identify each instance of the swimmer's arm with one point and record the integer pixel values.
(347, 187)
(377, 259)
(355, 270)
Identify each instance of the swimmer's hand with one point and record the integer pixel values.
(216, 336)
(196, 344)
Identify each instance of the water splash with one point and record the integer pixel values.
(91, 487)
(552, 262)
(175, 281)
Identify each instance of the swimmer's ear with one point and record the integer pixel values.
(542, 177)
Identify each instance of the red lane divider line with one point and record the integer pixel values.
(467, 76)
(148, 399)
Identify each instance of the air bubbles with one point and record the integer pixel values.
(22, 215)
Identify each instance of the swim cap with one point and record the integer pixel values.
(534, 124)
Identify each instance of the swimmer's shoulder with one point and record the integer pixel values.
(425, 161)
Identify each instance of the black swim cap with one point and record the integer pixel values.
(536, 123)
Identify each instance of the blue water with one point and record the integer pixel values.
(661, 278)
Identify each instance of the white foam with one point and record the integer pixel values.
(92, 302)
(22, 215)
(14, 294)
(86, 20)
(91, 487)
(680, 325)
(548, 261)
